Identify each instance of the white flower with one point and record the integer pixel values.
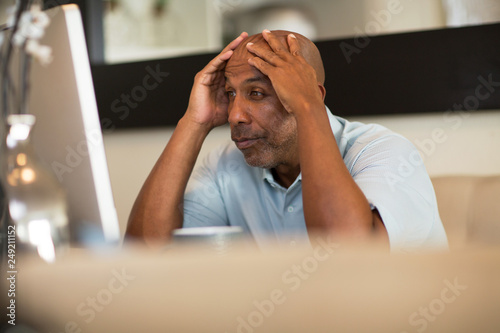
(42, 53)
(40, 18)
(32, 25)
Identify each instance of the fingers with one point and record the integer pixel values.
(219, 62)
(264, 53)
(293, 44)
(261, 65)
(272, 54)
(274, 42)
(234, 44)
(280, 50)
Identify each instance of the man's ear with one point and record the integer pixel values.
(322, 89)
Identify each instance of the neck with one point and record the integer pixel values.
(285, 175)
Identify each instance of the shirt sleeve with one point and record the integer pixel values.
(392, 175)
(203, 203)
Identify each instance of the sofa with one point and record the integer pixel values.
(470, 209)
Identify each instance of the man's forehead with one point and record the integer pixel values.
(244, 73)
(238, 61)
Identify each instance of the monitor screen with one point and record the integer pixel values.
(67, 135)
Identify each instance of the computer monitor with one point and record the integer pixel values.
(67, 135)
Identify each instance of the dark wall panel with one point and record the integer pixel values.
(414, 72)
(145, 94)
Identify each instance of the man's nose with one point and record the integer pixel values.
(238, 112)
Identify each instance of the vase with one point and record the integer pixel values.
(35, 199)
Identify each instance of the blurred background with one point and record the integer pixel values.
(147, 29)
(136, 30)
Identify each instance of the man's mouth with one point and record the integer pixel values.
(244, 143)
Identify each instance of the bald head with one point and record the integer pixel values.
(307, 48)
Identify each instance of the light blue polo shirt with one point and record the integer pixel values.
(224, 190)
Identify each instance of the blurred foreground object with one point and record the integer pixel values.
(36, 201)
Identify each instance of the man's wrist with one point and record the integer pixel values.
(193, 126)
(308, 110)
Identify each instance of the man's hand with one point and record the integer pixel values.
(293, 79)
(208, 102)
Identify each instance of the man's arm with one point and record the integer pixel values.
(332, 200)
(158, 209)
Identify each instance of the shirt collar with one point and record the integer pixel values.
(337, 124)
(267, 175)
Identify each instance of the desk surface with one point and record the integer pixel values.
(281, 290)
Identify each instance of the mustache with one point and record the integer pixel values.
(239, 132)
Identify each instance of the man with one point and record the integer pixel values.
(294, 168)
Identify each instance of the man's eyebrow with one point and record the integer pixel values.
(251, 79)
(255, 79)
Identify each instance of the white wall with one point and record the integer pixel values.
(133, 32)
(340, 18)
(468, 144)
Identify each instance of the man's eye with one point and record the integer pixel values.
(256, 94)
(230, 93)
